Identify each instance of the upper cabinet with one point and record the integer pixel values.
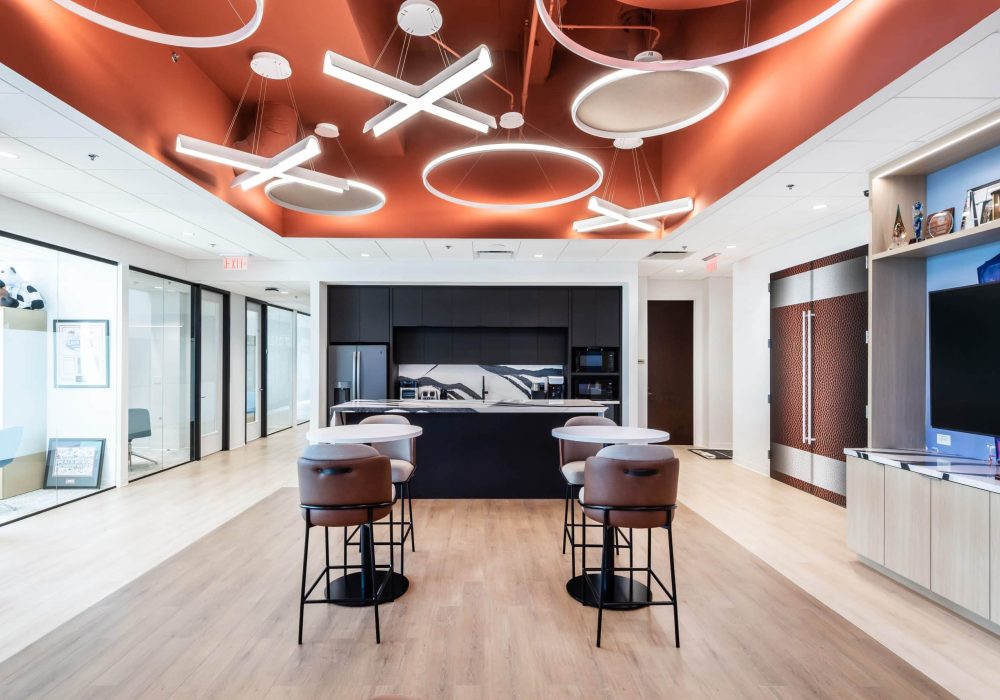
(407, 306)
(481, 307)
(596, 317)
(359, 315)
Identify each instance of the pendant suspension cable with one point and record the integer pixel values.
(239, 105)
(638, 178)
(385, 46)
(348, 159)
(236, 11)
(610, 176)
(259, 117)
(746, 24)
(652, 180)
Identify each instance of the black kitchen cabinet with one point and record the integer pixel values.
(466, 346)
(551, 346)
(407, 306)
(523, 346)
(437, 306)
(523, 302)
(358, 315)
(467, 306)
(495, 309)
(596, 317)
(408, 348)
(437, 348)
(553, 307)
(495, 348)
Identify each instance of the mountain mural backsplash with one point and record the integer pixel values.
(503, 382)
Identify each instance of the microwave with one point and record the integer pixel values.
(598, 360)
(603, 389)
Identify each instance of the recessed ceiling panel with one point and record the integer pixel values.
(86, 153)
(908, 118)
(963, 75)
(21, 115)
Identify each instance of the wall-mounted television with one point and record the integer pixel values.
(965, 359)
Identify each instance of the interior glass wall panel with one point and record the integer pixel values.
(254, 379)
(212, 371)
(160, 345)
(280, 351)
(58, 378)
(303, 377)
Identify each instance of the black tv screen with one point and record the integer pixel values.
(965, 359)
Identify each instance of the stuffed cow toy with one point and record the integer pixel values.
(16, 293)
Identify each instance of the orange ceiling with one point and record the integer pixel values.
(777, 100)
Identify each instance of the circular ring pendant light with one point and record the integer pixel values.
(359, 199)
(717, 59)
(189, 42)
(512, 147)
(642, 103)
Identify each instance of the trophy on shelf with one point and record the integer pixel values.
(969, 212)
(918, 221)
(898, 230)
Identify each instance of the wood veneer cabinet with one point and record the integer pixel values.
(960, 545)
(866, 508)
(995, 557)
(908, 525)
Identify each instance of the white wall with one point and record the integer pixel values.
(712, 299)
(751, 330)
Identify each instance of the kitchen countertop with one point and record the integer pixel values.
(960, 470)
(460, 406)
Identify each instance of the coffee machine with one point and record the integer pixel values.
(557, 388)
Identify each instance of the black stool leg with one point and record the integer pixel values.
(367, 533)
(673, 587)
(326, 541)
(302, 594)
(607, 573)
(409, 497)
(569, 490)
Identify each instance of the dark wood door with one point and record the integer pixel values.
(670, 403)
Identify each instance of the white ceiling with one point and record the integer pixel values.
(129, 193)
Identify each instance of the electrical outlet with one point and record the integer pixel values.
(944, 439)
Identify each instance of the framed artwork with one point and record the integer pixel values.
(981, 196)
(81, 353)
(74, 463)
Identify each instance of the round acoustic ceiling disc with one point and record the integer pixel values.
(632, 103)
(359, 199)
(271, 66)
(326, 130)
(419, 17)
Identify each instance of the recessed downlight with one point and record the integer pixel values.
(187, 233)
(366, 255)
(731, 246)
(680, 271)
(539, 255)
(9, 155)
(819, 206)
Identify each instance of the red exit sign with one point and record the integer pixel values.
(235, 262)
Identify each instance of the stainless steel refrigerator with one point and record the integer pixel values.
(357, 372)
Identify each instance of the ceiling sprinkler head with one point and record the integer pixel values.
(93, 156)
(174, 56)
(790, 187)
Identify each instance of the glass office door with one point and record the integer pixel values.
(254, 363)
(303, 393)
(280, 372)
(212, 364)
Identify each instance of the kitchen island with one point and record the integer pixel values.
(481, 449)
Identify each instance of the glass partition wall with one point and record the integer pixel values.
(58, 377)
(280, 373)
(254, 369)
(160, 365)
(303, 387)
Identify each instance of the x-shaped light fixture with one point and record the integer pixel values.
(411, 99)
(259, 169)
(614, 215)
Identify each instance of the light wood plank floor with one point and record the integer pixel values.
(487, 616)
(58, 564)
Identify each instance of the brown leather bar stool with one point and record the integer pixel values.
(634, 487)
(346, 486)
(572, 460)
(402, 456)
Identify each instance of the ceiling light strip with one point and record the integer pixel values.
(718, 59)
(188, 42)
(515, 147)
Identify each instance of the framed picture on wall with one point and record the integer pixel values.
(74, 463)
(981, 196)
(81, 353)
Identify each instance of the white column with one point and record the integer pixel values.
(317, 337)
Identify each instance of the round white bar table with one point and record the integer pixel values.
(620, 590)
(359, 585)
(363, 434)
(610, 434)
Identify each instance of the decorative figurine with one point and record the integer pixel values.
(918, 221)
(969, 212)
(898, 230)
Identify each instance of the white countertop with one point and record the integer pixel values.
(610, 434)
(961, 470)
(466, 406)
